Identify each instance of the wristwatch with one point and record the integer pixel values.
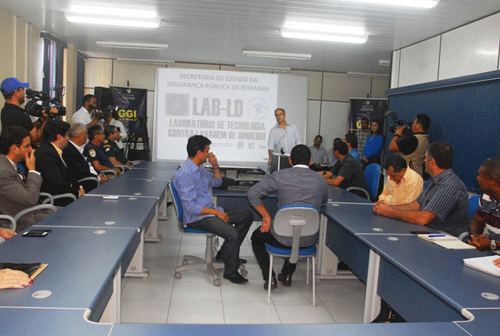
(493, 245)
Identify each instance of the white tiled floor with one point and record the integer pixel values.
(193, 299)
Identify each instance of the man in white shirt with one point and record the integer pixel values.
(84, 114)
(404, 184)
(283, 136)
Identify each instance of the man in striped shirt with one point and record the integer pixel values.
(443, 204)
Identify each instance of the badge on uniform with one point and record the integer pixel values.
(92, 152)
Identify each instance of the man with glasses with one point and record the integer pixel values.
(94, 151)
(488, 213)
(283, 136)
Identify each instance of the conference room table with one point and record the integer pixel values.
(131, 185)
(86, 264)
(100, 212)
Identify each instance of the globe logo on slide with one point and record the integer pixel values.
(257, 108)
(177, 104)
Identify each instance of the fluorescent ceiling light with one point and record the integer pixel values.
(271, 54)
(114, 11)
(149, 61)
(132, 45)
(114, 22)
(324, 28)
(362, 74)
(324, 37)
(264, 68)
(402, 3)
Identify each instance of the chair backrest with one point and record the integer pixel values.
(372, 177)
(474, 204)
(177, 204)
(291, 220)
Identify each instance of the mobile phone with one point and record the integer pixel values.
(420, 232)
(36, 233)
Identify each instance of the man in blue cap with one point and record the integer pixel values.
(13, 115)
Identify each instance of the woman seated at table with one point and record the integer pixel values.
(373, 145)
(14, 279)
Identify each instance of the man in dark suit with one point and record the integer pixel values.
(77, 163)
(18, 192)
(57, 178)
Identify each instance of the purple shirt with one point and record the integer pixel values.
(193, 185)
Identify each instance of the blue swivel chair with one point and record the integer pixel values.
(473, 205)
(291, 221)
(190, 262)
(372, 177)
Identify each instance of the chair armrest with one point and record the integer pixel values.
(121, 167)
(11, 220)
(90, 178)
(363, 191)
(67, 195)
(35, 208)
(109, 171)
(49, 200)
(464, 236)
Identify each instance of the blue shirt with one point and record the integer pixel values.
(354, 153)
(193, 185)
(373, 146)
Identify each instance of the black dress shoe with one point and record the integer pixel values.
(235, 278)
(274, 283)
(285, 279)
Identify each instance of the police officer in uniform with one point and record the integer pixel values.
(111, 149)
(95, 152)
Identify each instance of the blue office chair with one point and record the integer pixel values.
(473, 205)
(190, 262)
(291, 221)
(372, 177)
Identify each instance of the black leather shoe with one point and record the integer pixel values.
(220, 258)
(274, 283)
(285, 279)
(235, 278)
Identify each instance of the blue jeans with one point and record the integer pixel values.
(233, 232)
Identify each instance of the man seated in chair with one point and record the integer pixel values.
(347, 171)
(193, 184)
(17, 191)
(298, 185)
(95, 153)
(488, 212)
(404, 184)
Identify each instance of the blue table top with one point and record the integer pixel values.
(53, 322)
(78, 259)
(157, 165)
(360, 219)
(337, 194)
(486, 322)
(165, 174)
(440, 270)
(396, 329)
(123, 186)
(98, 212)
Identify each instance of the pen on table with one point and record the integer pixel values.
(435, 235)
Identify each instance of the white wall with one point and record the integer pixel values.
(467, 50)
(328, 93)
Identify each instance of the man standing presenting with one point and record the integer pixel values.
(12, 113)
(84, 114)
(282, 136)
(286, 183)
(404, 184)
(193, 185)
(404, 145)
(17, 191)
(488, 212)
(443, 205)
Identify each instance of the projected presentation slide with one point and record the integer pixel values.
(235, 110)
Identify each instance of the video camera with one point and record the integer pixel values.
(104, 113)
(407, 130)
(41, 101)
